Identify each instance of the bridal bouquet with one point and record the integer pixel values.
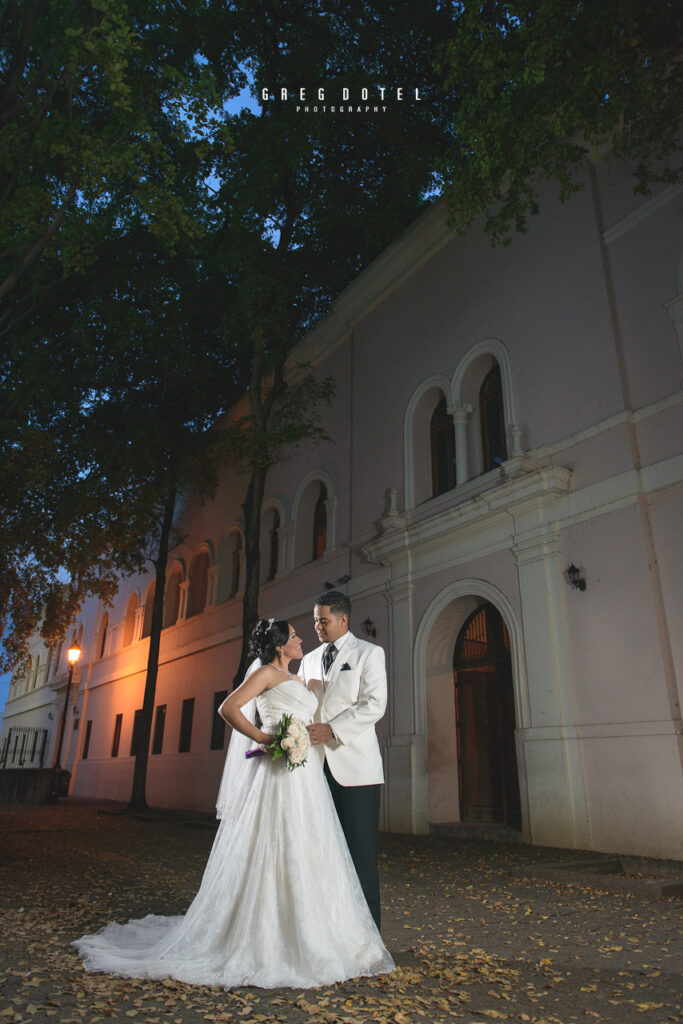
(291, 742)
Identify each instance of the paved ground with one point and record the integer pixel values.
(480, 931)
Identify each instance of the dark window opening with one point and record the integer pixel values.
(320, 525)
(117, 736)
(492, 418)
(218, 723)
(137, 722)
(442, 436)
(86, 741)
(159, 723)
(186, 726)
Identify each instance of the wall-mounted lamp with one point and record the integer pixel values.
(369, 627)
(342, 579)
(575, 577)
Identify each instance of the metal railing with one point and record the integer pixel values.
(24, 747)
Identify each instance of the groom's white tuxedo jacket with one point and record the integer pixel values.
(352, 700)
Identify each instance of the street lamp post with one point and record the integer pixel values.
(73, 654)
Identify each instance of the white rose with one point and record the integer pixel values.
(287, 743)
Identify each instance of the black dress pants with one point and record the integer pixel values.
(358, 811)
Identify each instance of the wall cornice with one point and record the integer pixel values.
(418, 244)
(403, 536)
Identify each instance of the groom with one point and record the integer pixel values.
(353, 697)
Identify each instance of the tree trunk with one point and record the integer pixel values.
(138, 800)
(252, 505)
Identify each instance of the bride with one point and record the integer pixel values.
(280, 904)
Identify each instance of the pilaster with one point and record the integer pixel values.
(211, 585)
(461, 414)
(406, 799)
(139, 623)
(286, 548)
(183, 591)
(556, 793)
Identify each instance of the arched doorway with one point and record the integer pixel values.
(485, 721)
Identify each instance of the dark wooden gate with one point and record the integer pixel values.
(485, 717)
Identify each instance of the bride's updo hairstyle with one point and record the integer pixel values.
(268, 635)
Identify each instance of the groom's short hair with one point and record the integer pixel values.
(337, 602)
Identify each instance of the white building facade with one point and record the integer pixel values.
(502, 499)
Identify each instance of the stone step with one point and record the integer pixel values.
(480, 830)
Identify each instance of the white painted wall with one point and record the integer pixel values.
(579, 315)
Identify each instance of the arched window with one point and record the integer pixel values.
(485, 407)
(270, 544)
(314, 525)
(442, 438)
(172, 598)
(229, 569)
(129, 623)
(102, 636)
(320, 524)
(149, 608)
(196, 598)
(492, 420)
(429, 441)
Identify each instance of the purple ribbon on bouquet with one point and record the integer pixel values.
(255, 752)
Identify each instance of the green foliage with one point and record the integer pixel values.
(100, 190)
(543, 86)
(90, 135)
(161, 254)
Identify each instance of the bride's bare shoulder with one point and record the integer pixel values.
(266, 676)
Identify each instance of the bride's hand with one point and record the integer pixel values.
(266, 738)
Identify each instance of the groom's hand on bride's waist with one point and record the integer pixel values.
(320, 732)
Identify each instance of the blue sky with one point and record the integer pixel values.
(4, 687)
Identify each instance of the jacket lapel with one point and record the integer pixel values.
(346, 655)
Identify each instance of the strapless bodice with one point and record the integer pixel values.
(288, 697)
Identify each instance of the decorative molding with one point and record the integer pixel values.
(675, 311)
(211, 585)
(645, 210)
(489, 347)
(422, 240)
(139, 623)
(418, 244)
(316, 474)
(476, 515)
(461, 414)
(471, 587)
(602, 426)
(183, 590)
(437, 382)
(602, 730)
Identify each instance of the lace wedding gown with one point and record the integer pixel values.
(280, 904)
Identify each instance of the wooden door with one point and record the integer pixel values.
(485, 717)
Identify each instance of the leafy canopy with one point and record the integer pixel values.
(544, 85)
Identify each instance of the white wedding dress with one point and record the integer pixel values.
(280, 904)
